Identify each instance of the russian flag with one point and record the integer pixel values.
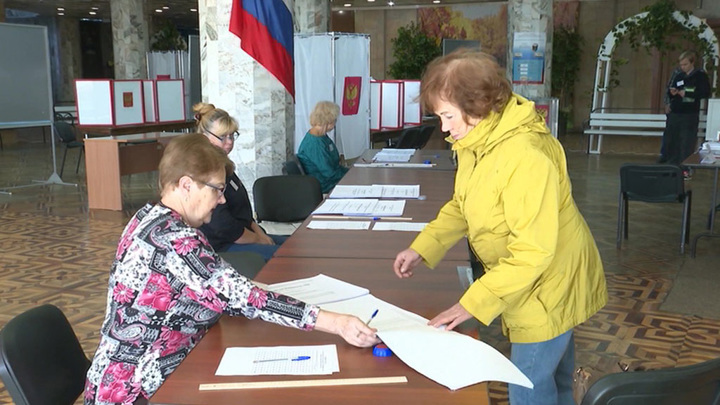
(265, 29)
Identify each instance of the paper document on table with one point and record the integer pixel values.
(279, 360)
(319, 290)
(449, 358)
(399, 226)
(361, 207)
(393, 155)
(376, 191)
(349, 225)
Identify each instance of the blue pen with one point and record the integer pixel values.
(371, 317)
(298, 358)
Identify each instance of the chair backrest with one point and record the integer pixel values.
(408, 138)
(65, 131)
(652, 183)
(426, 132)
(41, 360)
(288, 198)
(696, 384)
(248, 264)
(293, 166)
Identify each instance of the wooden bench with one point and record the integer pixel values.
(601, 124)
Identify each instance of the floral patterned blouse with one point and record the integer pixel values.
(167, 287)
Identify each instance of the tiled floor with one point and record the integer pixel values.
(52, 250)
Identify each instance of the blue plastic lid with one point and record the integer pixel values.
(382, 350)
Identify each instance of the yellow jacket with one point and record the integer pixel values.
(513, 201)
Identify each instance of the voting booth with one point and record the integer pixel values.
(106, 102)
(334, 67)
(712, 125)
(394, 104)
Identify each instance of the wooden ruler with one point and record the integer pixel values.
(302, 383)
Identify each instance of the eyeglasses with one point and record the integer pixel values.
(220, 189)
(226, 138)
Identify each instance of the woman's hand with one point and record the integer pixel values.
(348, 327)
(405, 262)
(451, 317)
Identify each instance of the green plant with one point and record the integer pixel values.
(167, 38)
(567, 50)
(413, 50)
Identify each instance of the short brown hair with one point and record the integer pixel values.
(206, 114)
(324, 113)
(191, 155)
(471, 80)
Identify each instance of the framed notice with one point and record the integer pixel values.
(528, 57)
(411, 103)
(392, 104)
(170, 100)
(128, 102)
(93, 100)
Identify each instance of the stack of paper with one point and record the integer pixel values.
(393, 155)
(338, 225)
(376, 191)
(319, 290)
(361, 207)
(279, 360)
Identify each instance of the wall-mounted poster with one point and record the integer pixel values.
(528, 57)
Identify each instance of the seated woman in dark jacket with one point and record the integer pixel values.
(232, 227)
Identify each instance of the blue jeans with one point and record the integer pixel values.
(267, 251)
(549, 365)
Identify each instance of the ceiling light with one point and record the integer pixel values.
(391, 3)
(94, 8)
(341, 12)
(61, 9)
(158, 10)
(436, 1)
(166, 8)
(92, 13)
(371, 1)
(61, 13)
(347, 5)
(194, 10)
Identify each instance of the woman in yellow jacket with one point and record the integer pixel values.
(513, 201)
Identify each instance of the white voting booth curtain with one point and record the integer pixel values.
(322, 62)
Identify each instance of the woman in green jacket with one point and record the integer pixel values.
(513, 201)
(317, 152)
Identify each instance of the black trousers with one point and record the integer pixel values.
(680, 137)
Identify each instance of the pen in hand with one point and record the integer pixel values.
(371, 317)
(298, 358)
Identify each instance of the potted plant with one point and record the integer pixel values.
(413, 50)
(567, 50)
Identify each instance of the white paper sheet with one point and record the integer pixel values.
(399, 226)
(448, 358)
(319, 290)
(278, 360)
(361, 207)
(376, 191)
(393, 155)
(398, 165)
(349, 225)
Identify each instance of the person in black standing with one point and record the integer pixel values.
(688, 88)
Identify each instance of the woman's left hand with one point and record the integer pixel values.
(451, 317)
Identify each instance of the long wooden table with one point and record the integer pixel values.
(442, 159)
(427, 294)
(695, 161)
(108, 158)
(110, 130)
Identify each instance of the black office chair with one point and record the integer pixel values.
(66, 133)
(293, 166)
(288, 198)
(653, 184)
(408, 138)
(248, 264)
(41, 360)
(698, 384)
(426, 132)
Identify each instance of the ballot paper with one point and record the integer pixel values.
(393, 155)
(279, 360)
(349, 225)
(376, 191)
(319, 290)
(399, 226)
(361, 207)
(448, 358)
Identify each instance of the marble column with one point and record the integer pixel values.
(130, 38)
(70, 57)
(532, 16)
(235, 82)
(312, 16)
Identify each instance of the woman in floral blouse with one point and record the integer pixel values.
(167, 286)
